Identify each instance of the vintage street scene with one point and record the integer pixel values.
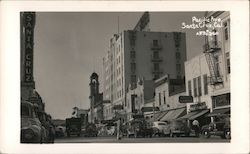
(125, 77)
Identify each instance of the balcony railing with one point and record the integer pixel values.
(212, 46)
(156, 46)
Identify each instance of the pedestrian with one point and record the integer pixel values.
(196, 127)
(118, 132)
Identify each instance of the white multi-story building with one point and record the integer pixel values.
(136, 98)
(141, 54)
(208, 74)
(167, 92)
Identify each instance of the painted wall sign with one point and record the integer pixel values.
(28, 32)
(198, 106)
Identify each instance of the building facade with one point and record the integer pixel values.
(167, 92)
(208, 74)
(136, 98)
(136, 54)
(28, 91)
(219, 47)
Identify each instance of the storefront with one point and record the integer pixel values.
(199, 112)
(221, 101)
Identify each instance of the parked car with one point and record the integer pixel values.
(139, 128)
(91, 130)
(60, 131)
(31, 127)
(73, 126)
(220, 127)
(177, 128)
(111, 130)
(158, 128)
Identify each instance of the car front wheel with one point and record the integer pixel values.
(205, 134)
(227, 134)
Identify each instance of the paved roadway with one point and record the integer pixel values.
(112, 139)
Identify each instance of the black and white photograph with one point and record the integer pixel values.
(120, 78)
(125, 77)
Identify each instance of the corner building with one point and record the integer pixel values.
(143, 55)
(208, 74)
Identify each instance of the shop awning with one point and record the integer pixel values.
(198, 114)
(173, 114)
(217, 112)
(160, 115)
(195, 114)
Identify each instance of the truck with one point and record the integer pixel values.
(73, 126)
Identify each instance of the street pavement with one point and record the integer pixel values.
(112, 139)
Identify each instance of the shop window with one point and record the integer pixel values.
(189, 88)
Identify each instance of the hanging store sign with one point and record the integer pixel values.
(186, 99)
(28, 36)
(198, 106)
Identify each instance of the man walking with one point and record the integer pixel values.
(196, 127)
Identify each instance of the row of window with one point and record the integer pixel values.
(197, 88)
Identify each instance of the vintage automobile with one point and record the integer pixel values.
(73, 126)
(220, 127)
(60, 131)
(159, 127)
(177, 128)
(91, 130)
(31, 128)
(139, 128)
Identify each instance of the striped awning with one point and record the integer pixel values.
(193, 115)
(173, 114)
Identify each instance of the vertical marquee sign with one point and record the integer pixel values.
(27, 44)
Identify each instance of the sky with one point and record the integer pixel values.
(69, 47)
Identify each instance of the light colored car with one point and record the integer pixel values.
(31, 128)
(159, 127)
(177, 128)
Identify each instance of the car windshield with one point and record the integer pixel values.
(163, 124)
